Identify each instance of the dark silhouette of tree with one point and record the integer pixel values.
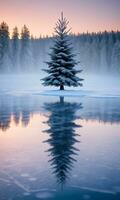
(62, 132)
(26, 53)
(15, 48)
(4, 45)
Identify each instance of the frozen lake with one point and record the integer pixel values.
(57, 148)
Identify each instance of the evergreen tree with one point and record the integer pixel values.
(15, 48)
(4, 45)
(62, 139)
(25, 35)
(116, 57)
(61, 67)
(103, 55)
(26, 51)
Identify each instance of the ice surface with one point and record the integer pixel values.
(27, 109)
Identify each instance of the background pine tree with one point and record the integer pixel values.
(62, 70)
(26, 50)
(15, 48)
(4, 46)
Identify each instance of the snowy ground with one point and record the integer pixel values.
(93, 86)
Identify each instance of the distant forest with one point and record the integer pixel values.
(97, 52)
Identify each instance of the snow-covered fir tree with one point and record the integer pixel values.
(61, 69)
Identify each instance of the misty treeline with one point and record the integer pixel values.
(97, 52)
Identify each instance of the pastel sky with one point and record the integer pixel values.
(40, 15)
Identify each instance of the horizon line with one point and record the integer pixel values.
(40, 35)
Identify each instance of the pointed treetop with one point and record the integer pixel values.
(4, 26)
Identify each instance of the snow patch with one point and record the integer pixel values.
(44, 195)
(25, 175)
(79, 93)
(32, 179)
(26, 193)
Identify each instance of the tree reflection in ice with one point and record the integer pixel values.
(62, 132)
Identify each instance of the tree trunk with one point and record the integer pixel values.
(61, 99)
(61, 87)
